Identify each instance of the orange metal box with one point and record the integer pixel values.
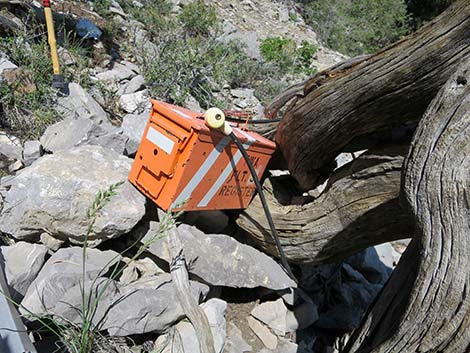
(181, 164)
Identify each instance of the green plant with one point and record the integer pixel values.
(154, 14)
(27, 100)
(285, 53)
(360, 26)
(279, 50)
(198, 18)
(102, 7)
(184, 66)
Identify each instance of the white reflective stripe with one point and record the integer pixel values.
(201, 173)
(180, 113)
(160, 140)
(249, 138)
(226, 172)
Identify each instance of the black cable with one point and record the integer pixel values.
(259, 188)
(253, 121)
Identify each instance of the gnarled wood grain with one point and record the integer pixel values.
(425, 306)
(384, 90)
(359, 208)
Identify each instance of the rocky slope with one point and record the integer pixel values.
(70, 184)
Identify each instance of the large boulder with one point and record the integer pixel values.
(220, 260)
(72, 132)
(53, 195)
(146, 307)
(62, 272)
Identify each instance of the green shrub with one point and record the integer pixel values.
(155, 14)
(197, 18)
(102, 7)
(195, 65)
(359, 26)
(285, 53)
(28, 113)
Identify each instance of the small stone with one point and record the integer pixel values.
(273, 314)
(6, 64)
(134, 85)
(135, 102)
(32, 150)
(15, 166)
(51, 242)
(244, 93)
(263, 333)
(119, 72)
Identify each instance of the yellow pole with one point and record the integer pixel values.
(51, 39)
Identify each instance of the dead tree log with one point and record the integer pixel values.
(358, 209)
(384, 90)
(425, 307)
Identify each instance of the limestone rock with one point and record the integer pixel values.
(134, 85)
(32, 150)
(133, 126)
(273, 314)
(10, 147)
(220, 260)
(23, 261)
(144, 309)
(54, 193)
(118, 73)
(80, 104)
(263, 333)
(250, 39)
(6, 64)
(135, 102)
(62, 272)
(72, 132)
(215, 312)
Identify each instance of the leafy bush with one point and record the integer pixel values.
(155, 14)
(102, 7)
(285, 53)
(185, 66)
(197, 18)
(359, 26)
(29, 113)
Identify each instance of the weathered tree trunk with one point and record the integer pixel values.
(358, 209)
(424, 306)
(384, 90)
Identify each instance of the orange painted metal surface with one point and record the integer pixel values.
(183, 165)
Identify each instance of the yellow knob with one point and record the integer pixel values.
(215, 118)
